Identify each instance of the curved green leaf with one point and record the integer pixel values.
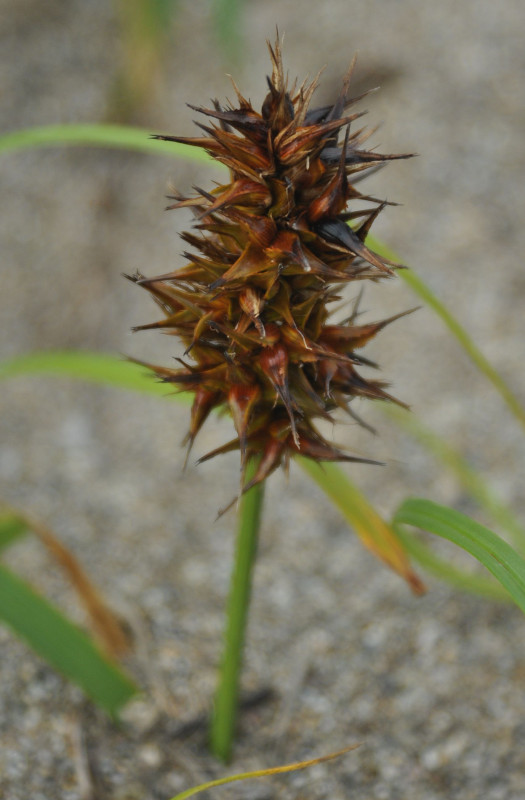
(491, 551)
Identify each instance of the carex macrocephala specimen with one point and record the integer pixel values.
(273, 248)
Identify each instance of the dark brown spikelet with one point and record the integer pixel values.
(273, 249)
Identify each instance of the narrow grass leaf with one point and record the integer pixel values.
(372, 529)
(62, 644)
(458, 331)
(101, 368)
(263, 773)
(491, 551)
(121, 137)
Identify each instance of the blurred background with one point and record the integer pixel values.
(433, 686)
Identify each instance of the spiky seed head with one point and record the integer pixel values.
(272, 252)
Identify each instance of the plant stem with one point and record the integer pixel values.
(224, 714)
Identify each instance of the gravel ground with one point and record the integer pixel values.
(432, 687)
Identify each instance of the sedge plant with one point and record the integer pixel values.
(271, 253)
(273, 247)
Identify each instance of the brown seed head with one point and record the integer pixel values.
(274, 250)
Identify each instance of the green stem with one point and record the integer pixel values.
(224, 715)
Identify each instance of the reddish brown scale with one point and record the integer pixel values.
(274, 250)
(203, 403)
(261, 230)
(333, 199)
(241, 399)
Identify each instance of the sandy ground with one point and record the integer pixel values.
(432, 687)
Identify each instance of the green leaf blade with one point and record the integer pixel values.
(491, 551)
(62, 644)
